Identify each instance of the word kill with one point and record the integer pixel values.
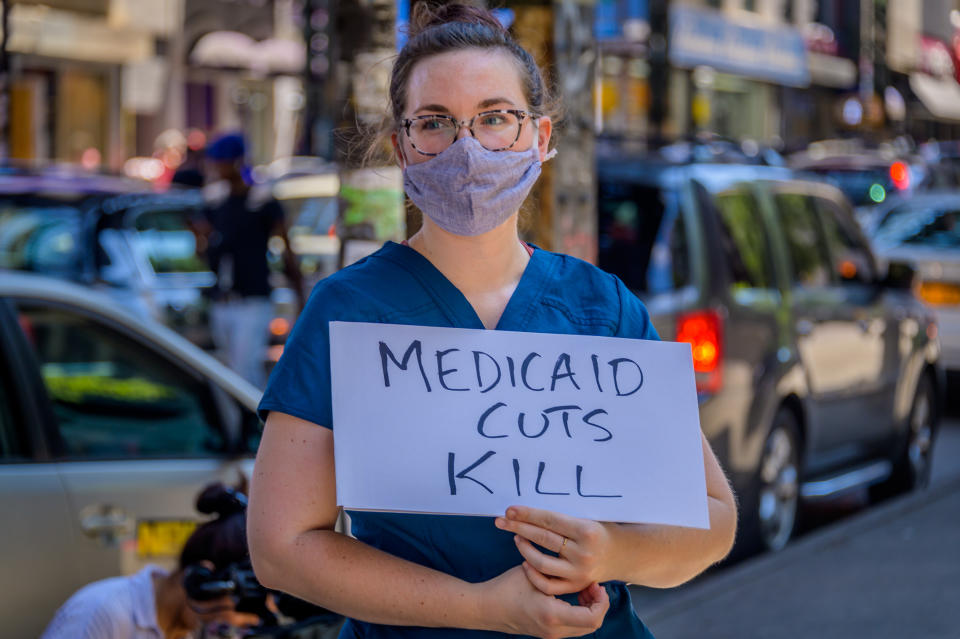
(624, 377)
(538, 485)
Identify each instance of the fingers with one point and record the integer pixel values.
(538, 535)
(561, 524)
(581, 617)
(548, 585)
(546, 564)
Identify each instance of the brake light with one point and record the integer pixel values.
(703, 330)
(900, 175)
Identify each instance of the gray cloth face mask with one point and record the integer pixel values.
(468, 190)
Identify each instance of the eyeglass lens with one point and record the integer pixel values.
(494, 131)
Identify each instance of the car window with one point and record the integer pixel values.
(113, 396)
(744, 239)
(166, 239)
(799, 224)
(850, 258)
(10, 448)
(642, 237)
(40, 235)
(935, 226)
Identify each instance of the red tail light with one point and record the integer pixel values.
(900, 175)
(703, 330)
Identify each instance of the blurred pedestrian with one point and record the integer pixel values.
(240, 223)
(154, 603)
(470, 128)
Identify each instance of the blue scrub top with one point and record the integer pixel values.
(397, 285)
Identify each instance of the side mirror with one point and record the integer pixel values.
(900, 275)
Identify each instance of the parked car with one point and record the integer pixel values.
(114, 234)
(924, 231)
(816, 373)
(125, 239)
(110, 424)
(866, 175)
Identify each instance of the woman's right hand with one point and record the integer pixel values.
(512, 604)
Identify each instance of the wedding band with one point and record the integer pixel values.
(563, 544)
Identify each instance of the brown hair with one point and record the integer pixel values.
(436, 29)
(452, 27)
(223, 540)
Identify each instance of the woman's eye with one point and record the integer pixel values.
(494, 119)
(434, 125)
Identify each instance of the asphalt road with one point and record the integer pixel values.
(890, 570)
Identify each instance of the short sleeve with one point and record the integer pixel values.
(86, 618)
(299, 384)
(635, 321)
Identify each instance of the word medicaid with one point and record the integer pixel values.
(454, 369)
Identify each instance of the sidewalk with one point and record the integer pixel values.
(892, 572)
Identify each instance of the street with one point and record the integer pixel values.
(891, 570)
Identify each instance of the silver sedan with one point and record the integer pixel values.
(110, 425)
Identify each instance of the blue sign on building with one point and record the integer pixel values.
(703, 37)
(611, 15)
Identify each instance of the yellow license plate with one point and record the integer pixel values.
(162, 537)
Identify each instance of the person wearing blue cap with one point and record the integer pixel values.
(239, 224)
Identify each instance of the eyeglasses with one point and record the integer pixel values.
(495, 130)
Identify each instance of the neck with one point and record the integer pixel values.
(475, 264)
(171, 603)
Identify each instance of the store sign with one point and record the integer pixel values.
(704, 37)
(465, 421)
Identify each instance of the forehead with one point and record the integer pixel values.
(459, 80)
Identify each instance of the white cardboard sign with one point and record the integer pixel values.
(463, 421)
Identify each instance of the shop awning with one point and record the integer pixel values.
(940, 96)
(832, 71)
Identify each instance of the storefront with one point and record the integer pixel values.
(735, 70)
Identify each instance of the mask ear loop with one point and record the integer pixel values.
(552, 153)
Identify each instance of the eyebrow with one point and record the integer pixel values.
(489, 102)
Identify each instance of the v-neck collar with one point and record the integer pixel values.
(454, 304)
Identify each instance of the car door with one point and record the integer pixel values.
(35, 535)
(871, 329)
(138, 435)
(828, 340)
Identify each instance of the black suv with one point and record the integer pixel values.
(816, 374)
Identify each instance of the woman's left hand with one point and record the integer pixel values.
(583, 546)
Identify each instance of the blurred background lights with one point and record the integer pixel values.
(878, 193)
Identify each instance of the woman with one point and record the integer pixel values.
(155, 604)
(470, 130)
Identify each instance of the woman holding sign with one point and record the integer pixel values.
(471, 126)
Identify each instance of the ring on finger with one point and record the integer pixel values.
(562, 545)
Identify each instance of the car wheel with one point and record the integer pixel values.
(771, 509)
(911, 469)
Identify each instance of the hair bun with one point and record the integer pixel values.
(428, 14)
(219, 499)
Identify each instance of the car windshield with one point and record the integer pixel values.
(41, 234)
(864, 187)
(935, 226)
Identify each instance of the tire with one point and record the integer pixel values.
(770, 511)
(912, 464)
